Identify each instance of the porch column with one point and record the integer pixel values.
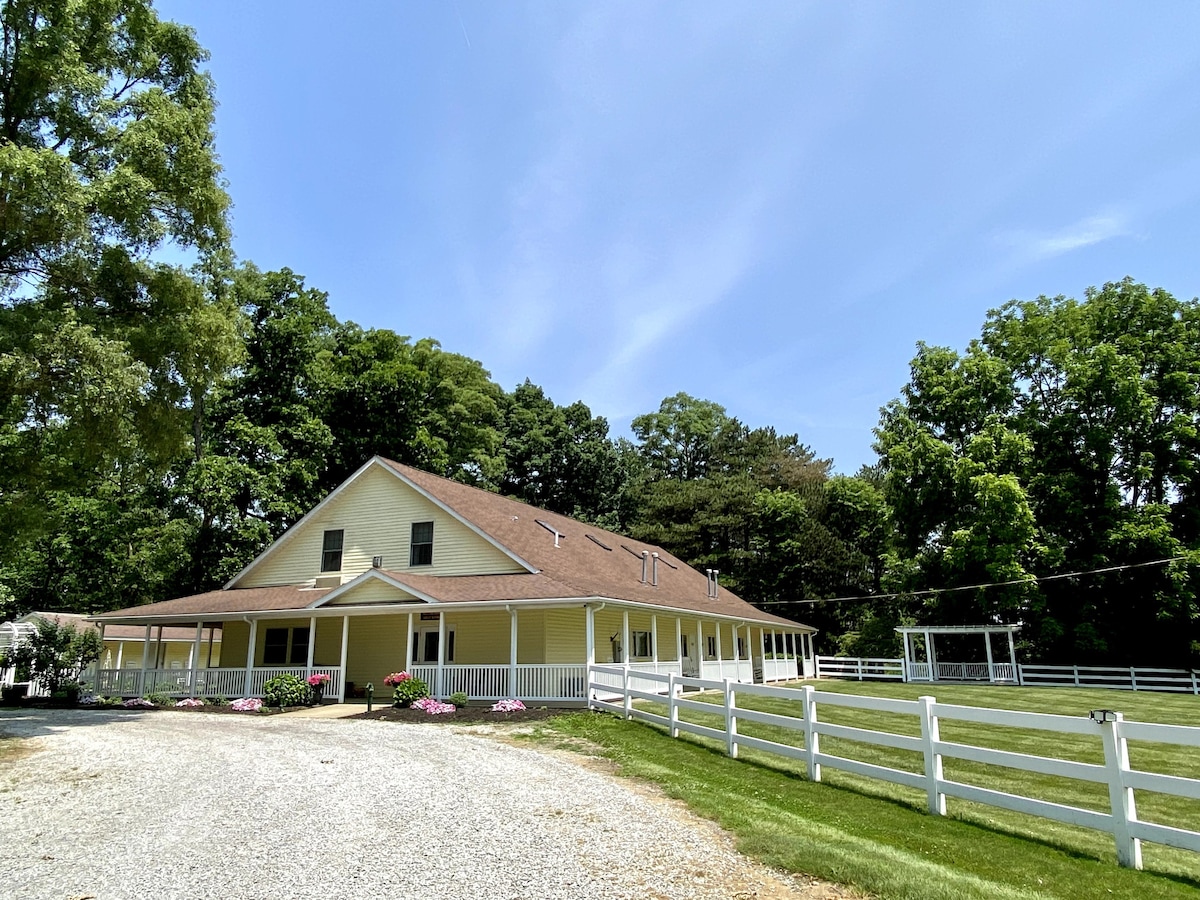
(737, 661)
(160, 656)
(441, 661)
(408, 644)
(654, 642)
(312, 641)
(250, 656)
(342, 659)
(120, 653)
(987, 645)
(1012, 657)
(625, 637)
(211, 635)
(141, 690)
(720, 653)
(512, 653)
(679, 642)
(700, 648)
(589, 635)
(908, 660)
(194, 656)
(96, 677)
(932, 654)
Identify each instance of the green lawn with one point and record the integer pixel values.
(877, 836)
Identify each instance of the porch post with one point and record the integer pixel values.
(625, 637)
(408, 644)
(512, 653)
(120, 653)
(342, 659)
(145, 662)
(1012, 657)
(987, 645)
(908, 661)
(589, 641)
(312, 642)
(441, 661)
(96, 674)
(679, 642)
(720, 653)
(194, 657)
(211, 636)
(737, 661)
(700, 648)
(654, 642)
(250, 655)
(932, 654)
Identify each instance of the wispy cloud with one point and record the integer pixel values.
(1030, 246)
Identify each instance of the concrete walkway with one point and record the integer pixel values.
(329, 711)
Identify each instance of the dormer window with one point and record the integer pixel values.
(331, 551)
(420, 552)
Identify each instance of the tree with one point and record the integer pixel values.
(55, 654)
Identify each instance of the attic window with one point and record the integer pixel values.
(331, 551)
(420, 548)
(596, 540)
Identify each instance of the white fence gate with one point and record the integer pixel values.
(1121, 822)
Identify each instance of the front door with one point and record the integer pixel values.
(425, 646)
(687, 657)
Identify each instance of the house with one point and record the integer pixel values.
(127, 646)
(466, 589)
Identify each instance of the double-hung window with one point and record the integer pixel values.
(642, 644)
(420, 548)
(285, 647)
(331, 551)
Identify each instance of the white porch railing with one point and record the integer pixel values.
(492, 682)
(869, 668)
(205, 682)
(779, 670)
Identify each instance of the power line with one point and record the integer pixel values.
(1033, 579)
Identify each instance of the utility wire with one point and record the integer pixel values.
(974, 587)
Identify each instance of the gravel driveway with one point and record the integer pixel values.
(193, 805)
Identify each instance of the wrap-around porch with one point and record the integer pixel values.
(533, 653)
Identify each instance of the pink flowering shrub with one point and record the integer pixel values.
(190, 702)
(318, 680)
(508, 706)
(433, 707)
(396, 678)
(137, 702)
(247, 704)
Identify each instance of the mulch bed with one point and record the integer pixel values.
(470, 715)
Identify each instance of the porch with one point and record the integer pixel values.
(533, 653)
(930, 668)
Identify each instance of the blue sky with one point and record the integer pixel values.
(766, 205)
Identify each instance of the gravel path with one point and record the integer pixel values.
(190, 805)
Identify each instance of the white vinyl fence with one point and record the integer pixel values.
(1185, 681)
(1121, 822)
(861, 668)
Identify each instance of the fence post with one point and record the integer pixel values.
(858, 665)
(931, 733)
(731, 747)
(587, 685)
(812, 740)
(1075, 669)
(817, 668)
(1120, 797)
(1195, 686)
(672, 708)
(1133, 677)
(625, 693)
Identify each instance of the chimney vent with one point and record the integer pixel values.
(376, 562)
(713, 584)
(645, 559)
(654, 570)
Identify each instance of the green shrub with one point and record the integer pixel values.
(409, 691)
(110, 701)
(458, 699)
(286, 690)
(54, 654)
(221, 700)
(160, 698)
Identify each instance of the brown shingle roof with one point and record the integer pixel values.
(577, 562)
(608, 565)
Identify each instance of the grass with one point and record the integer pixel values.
(877, 836)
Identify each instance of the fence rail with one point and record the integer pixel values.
(860, 668)
(1121, 821)
(1186, 681)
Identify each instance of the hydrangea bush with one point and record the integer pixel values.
(408, 689)
(190, 702)
(508, 706)
(247, 704)
(287, 690)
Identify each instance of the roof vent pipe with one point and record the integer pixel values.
(713, 583)
(645, 558)
(376, 562)
(654, 570)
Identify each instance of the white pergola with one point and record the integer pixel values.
(932, 669)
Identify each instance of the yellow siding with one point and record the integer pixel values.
(566, 636)
(376, 650)
(376, 512)
(608, 623)
(327, 651)
(531, 637)
(481, 638)
(234, 636)
(373, 591)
